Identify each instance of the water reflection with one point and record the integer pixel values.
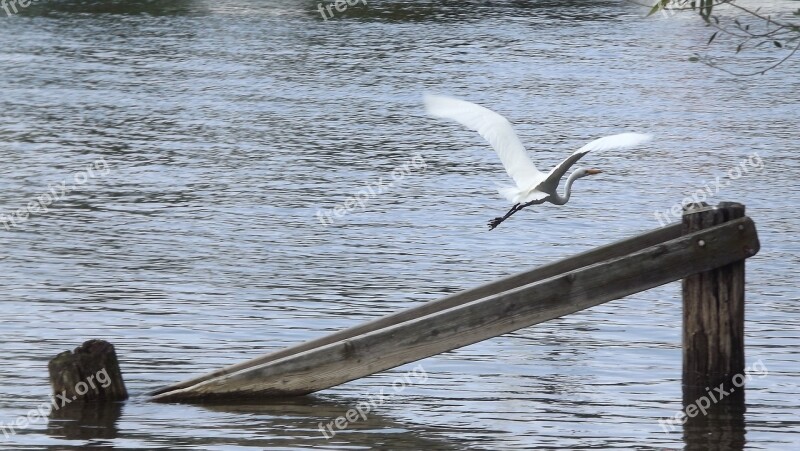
(721, 427)
(463, 10)
(89, 421)
(306, 417)
(150, 7)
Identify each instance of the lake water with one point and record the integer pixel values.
(216, 131)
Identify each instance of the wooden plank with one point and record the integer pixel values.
(565, 293)
(591, 257)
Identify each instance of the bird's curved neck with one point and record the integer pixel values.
(561, 200)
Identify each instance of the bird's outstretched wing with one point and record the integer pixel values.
(495, 129)
(621, 141)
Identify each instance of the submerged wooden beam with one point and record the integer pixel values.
(561, 294)
(591, 257)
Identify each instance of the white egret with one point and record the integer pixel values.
(532, 186)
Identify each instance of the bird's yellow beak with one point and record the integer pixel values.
(593, 171)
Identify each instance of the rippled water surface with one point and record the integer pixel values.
(223, 127)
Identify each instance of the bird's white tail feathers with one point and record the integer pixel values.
(515, 195)
(510, 192)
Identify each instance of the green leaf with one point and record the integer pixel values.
(739, 47)
(777, 44)
(712, 37)
(661, 4)
(694, 59)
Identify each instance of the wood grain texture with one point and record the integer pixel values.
(713, 308)
(596, 255)
(90, 373)
(505, 311)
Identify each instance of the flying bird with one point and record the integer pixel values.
(532, 186)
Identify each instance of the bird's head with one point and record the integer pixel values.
(583, 172)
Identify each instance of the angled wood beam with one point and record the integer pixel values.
(596, 255)
(562, 293)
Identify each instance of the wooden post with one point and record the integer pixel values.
(90, 373)
(713, 342)
(713, 308)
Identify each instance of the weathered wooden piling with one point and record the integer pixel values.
(89, 373)
(495, 311)
(713, 341)
(713, 307)
(707, 250)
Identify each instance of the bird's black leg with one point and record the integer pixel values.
(496, 221)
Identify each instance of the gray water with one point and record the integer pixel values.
(225, 126)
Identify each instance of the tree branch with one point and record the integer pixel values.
(777, 32)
